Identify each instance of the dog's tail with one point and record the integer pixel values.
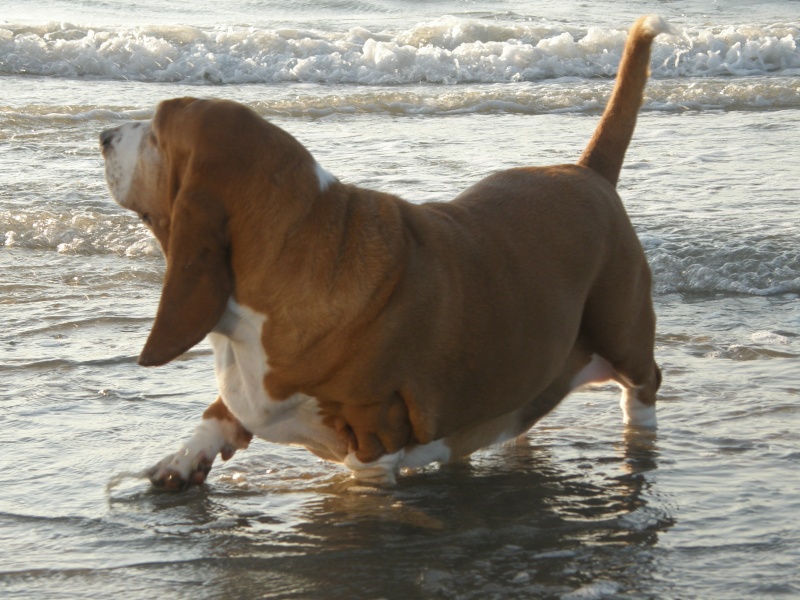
(606, 150)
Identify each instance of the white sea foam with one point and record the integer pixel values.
(742, 266)
(81, 233)
(446, 50)
(593, 591)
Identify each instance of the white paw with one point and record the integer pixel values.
(379, 472)
(191, 464)
(635, 413)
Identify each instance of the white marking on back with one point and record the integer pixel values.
(324, 177)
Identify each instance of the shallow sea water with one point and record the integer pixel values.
(581, 508)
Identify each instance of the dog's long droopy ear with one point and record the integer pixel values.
(198, 280)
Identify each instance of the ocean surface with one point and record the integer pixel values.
(420, 98)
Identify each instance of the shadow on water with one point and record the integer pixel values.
(562, 519)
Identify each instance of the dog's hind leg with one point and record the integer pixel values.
(619, 326)
(637, 401)
(639, 376)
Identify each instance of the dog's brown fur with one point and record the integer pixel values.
(408, 323)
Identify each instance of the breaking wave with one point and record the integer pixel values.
(448, 50)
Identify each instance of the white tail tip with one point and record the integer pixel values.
(654, 25)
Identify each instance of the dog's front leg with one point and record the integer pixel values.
(219, 433)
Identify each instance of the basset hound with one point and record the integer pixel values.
(377, 332)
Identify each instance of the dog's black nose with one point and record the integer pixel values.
(106, 137)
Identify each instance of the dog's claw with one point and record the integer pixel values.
(166, 475)
(167, 480)
(227, 452)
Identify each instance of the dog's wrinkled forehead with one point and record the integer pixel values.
(122, 147)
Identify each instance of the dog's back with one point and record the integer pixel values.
(525, 277)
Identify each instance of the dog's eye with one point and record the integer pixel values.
(145, 218)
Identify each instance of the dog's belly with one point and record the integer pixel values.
(241, 365)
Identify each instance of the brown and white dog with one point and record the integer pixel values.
(376, 332)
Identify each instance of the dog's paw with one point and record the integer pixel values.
(179, 471)
(635, 413)
(381, 472)
(191, 464)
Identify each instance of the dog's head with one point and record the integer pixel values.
(194, 174)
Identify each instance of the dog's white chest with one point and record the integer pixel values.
(241, 365)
